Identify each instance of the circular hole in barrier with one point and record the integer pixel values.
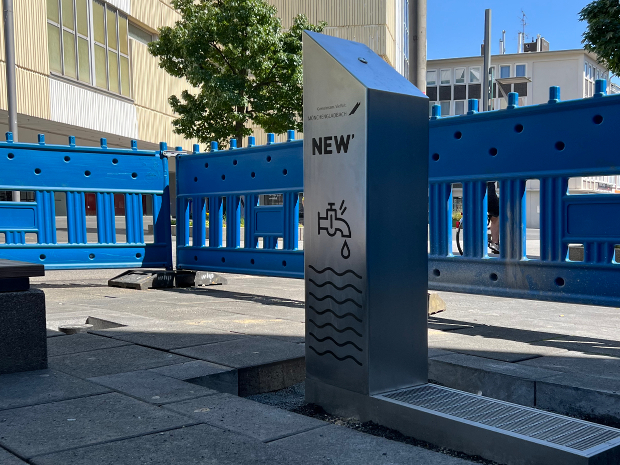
(86, 173)
(91, 256)
(206, 165)
(284, 171)
(493, 277)
(559, 145)
(235, 162)
(253, 174)
(138, 255)
(519, 128)
(435, 157)
(283, 262)
(559, 282)
(37, 171)
(436, 272)
(67, 158)
(492, 151)
(114, 161)
(458, 134)
(42, 256)
(223, 177)
(598, 119)
(10, 156)
(195, 258)
(252, 261)
(134, 175)
(195, 179)
(223, 260)
(268, 159)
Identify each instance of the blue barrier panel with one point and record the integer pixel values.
(235, 180)
(77, 172)
(548, 144)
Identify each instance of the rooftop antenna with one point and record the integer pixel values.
(523, 20)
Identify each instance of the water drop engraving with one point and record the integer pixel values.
(345, 252)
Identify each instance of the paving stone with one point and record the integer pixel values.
(509, 334)
(259, 421)
(432, 353)
(247, 352)
(344, 446)
(169, 336)
(195, 445)
(491, 378)
(578, 362)
(585, 396)
(80, 343)
(43, 386)
(446, 324)
(114, 360)
(497, 349)
(42, 429)
(7, 458)
(585, 344)
(210, 375)
(52, 333)
(152, 387)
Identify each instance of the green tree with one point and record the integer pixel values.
(245, 66)
(603, 34)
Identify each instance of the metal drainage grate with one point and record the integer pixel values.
(552, 428)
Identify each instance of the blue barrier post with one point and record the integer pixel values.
(513, 100)
(554, 94)
(472, 106)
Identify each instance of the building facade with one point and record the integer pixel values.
(452, 81)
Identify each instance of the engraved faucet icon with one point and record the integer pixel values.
(332, 224)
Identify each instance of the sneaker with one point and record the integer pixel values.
(494, 246)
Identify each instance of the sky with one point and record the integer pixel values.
(455, 28)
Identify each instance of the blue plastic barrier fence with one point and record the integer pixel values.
(236, 179)
(77, 174)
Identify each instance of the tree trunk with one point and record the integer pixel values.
(239, 133)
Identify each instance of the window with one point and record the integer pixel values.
(589, 71)
(446, 78)
(474, 74)
(459, 107)
(598, 75)
(431, 78)
(520, 70)
(445, 108)
(459, 76)
(504, 71)
(71, 36)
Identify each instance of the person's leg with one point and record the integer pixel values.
(495, 229)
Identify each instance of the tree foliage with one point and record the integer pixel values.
(245, 66)
(603, 34)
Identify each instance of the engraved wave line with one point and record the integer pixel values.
(342, 359)
(339, 302)
(329, 338)
(341, 331)
(334, 271)
(335, 287)
(334, 313)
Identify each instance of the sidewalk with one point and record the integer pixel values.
(163, 388)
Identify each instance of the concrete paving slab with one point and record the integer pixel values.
(42, 429)
(491, 378)
(195, 445)
(9, 459)
(344, 446)
(508, 334)
(76, 343)
(209, 375)
(114, 360)
(169, 335)
(599, 346)
(41, 387)
(577, 362)
(497, 349)
(152, 387)
(250, 351)
(52, 333)
(260, 421)
(581, 395)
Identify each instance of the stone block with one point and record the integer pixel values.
(260, 421)
(152, 387)
(195, 445)
(209, 375)
(77, 343)
(41, 387)
(47, 428)
(435, 303)
(23, 336)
